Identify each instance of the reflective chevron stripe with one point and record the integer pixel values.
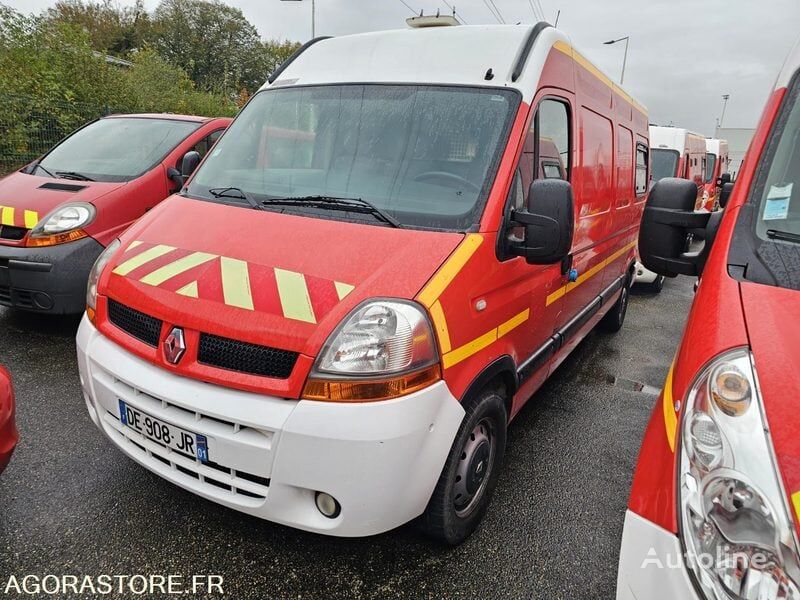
(232, 281)
(18, 217)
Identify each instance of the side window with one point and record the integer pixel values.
(641, 169)
(203, 146)
(553, 135)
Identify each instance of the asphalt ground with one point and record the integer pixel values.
(70, 503)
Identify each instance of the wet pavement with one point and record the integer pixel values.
(72, 504)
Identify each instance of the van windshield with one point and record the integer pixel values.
(425, 155)
(115, 149)
(663, 163)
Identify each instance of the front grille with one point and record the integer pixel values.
(249, 358)
(141, 326)
(9, 232)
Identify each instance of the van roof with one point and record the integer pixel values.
(437, 55)
(673, 138)
(714, 145)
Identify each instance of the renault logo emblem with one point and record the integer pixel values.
(174, 345)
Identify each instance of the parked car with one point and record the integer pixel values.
(332, 325)
(717, 160)
(717, 489)
(59, 212)
(674, 152)
(9, 436)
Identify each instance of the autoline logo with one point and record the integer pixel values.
(706, 560)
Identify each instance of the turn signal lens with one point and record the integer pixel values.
(730, 390)
(58, 238)
(350, 390)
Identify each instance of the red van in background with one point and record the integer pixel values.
(714, 511)
(333, 324)
(58, 213)
(9, 436)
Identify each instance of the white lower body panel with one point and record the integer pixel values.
(269, 456)
(651, 565)
(644, 275)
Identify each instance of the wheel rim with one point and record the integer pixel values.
(474, 469)
(623, 305)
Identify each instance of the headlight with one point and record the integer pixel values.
(383, 349)
(94, 277)
(64, 224)
(735, 520)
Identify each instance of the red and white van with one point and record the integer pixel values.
(717, 160)
(674, 152)
(715, 504)
(9, 436)
(59, 212)
(331, 329)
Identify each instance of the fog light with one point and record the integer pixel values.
(327, 505)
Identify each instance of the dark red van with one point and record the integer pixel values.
(59, 212)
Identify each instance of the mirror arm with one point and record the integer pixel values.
(679, 218)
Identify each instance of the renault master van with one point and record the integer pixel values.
(393, 245)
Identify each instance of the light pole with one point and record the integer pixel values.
(724, 106)
(313, 16)
(624, 58)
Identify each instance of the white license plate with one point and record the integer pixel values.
(186, 442)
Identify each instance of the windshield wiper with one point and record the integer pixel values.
(73, 175)
(39, 166)
(235, 192)
(784, 236)
(335, 203)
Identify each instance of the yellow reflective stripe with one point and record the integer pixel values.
(133, 245)
(31, 219)
(190, 290)
(450, 269)
(177, 267)
(342, 289)
(588, 274)
(513, 323)
(464, 352)
(141, 259)
(670, 418)
(584, 62)
(293, 292)
(7, 216)
(796, 502)
(439, 321)
(236, 283)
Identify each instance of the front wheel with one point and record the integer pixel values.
(470, 473)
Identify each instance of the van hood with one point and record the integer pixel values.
(264, 277)
(773, 324)
(32, 197)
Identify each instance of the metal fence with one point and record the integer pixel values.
(30, 125)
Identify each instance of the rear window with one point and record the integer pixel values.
(711, 162)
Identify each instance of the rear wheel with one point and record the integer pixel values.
(470, 473)
(614, 318)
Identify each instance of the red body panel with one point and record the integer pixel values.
(8, 429)
(717, 322)
(118, 204)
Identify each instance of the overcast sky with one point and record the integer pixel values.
(684, 54)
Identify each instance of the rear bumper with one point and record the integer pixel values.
(51, 279)
(651, 565)
(643, 275)
(380, 460)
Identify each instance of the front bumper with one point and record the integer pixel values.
(651, 564)
(380, 460)
(50, 279)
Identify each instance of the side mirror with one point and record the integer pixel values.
(175, 176)
(723, 179)
(189, 163)
(549, 222)
(666, 222)
(725, 193)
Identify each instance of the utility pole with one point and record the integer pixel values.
(313, 16)
(724, 106)
(625, 39)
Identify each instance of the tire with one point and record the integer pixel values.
(465, 487)
(614, 318)
(655, 287)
